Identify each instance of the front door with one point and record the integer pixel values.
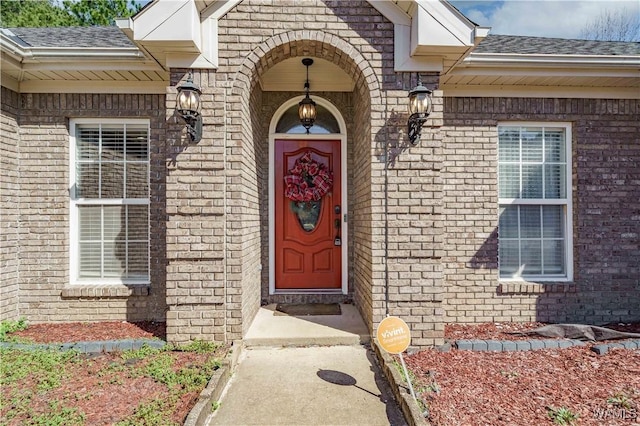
(308, 215)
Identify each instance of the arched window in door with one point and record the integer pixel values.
(325, 122)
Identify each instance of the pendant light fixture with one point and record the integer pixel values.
(307, 107)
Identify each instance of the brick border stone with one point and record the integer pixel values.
(410, 410)
(203, 409)
(513, 345)
(535, 344)
(92, 347)
(626, 344)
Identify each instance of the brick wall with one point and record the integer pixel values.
(413, 218)
(42, 180)
(360, 41)
(606, 219)
(196, 230)
(9, 204)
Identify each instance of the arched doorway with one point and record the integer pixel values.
(308, 239)
(252, 100)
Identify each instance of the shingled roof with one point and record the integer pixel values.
(525, 45)
(88, 37)
(100, 37)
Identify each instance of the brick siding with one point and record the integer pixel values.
(361, 43)
(422, 219)
(606, 213)
(10, 230)
(40, 175)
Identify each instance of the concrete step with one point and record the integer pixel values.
(276, 330)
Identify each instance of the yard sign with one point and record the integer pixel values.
(394, 337)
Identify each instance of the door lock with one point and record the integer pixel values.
(336, 209)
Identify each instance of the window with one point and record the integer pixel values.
(534, 185)
(109, 201)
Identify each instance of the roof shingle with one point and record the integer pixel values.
(87, 37)
(554, 46)
(98, 37)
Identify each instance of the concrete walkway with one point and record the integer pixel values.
(295, 372)
(335, 385)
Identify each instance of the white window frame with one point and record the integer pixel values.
(74, 203)
(566, 202)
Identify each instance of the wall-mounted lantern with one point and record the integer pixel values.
(188, 106)
(306, 107)
(419, 110)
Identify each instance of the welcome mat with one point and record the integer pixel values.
(304, 309)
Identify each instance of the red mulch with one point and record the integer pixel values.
(518, 388)
(503, 331)
(93, 331)
(102, 387)
(474, 388)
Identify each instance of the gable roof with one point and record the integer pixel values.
(100, 37)
(111, 58)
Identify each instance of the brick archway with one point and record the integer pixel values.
(244, 101)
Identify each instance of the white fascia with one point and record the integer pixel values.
(178, 34)
(430, 32)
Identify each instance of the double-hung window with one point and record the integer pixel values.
(109, 201)
(534, 185)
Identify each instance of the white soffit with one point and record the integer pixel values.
(289, 76)
(27, 69)
(512, 75)
(184, 34)
(435, 30)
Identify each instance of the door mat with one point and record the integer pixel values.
(304, 309)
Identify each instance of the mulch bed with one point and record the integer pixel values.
(92, 331)
(522, 388)
(459, 387)
(102, 387)
(504, 331)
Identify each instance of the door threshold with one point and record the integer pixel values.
(309, 291)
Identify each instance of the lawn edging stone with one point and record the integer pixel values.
(203, 409)
(513, 345)
(535, 344)
(408, 405)
(89, 347)
(602, 349)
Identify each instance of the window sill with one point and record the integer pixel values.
(527, 287)
(88, 291)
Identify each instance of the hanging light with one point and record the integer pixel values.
(419, 110)
(307, 107)
(188, 106)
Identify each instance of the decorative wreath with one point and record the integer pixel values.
(308, 180)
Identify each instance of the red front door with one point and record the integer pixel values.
(307, 234)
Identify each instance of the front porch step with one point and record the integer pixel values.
(271, 330)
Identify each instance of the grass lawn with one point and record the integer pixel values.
(142, 387)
